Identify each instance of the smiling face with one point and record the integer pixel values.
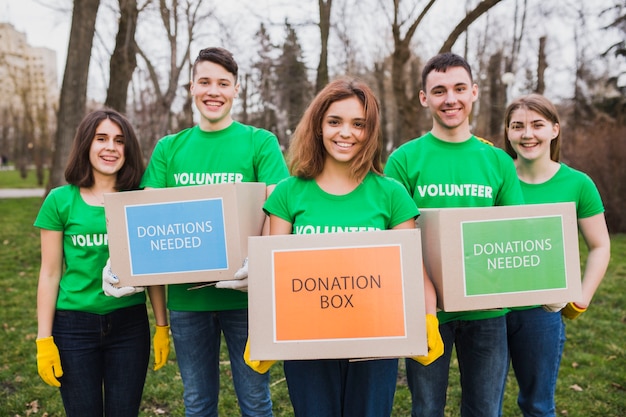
(343, 128)
(213, 89)
(449, 95)
(530, 134)
(106, 153)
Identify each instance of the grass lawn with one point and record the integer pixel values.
(10, 178)
(592, 380)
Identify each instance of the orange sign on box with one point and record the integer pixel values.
(342, 294)
(336, 295)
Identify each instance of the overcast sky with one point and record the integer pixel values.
(45, 25)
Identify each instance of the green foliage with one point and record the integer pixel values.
(592, 381)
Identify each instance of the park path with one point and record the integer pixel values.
(21, 192)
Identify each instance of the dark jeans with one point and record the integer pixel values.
(536, 341)
(482, 354)
(340, 388)
(110, 350)
(197, 339)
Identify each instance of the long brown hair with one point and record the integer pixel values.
(79, 170)
(307, 153)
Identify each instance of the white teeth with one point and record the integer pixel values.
(343, 145)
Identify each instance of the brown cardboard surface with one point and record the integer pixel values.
(445, 258)
(337, 295)
(181, 242)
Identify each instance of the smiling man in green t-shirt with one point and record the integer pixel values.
(450, 167)
(216, 150)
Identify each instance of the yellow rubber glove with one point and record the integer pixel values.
(49, 361)
(571, 311)
(258, 366)
(435, 342)
(161, 345)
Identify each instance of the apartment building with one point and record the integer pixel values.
(30, 96)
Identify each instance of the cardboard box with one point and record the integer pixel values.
(183, 234)
(336, 295)
(493, 257)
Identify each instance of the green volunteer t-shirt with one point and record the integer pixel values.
(441, 174)
(378, 203)
(239, 153)
(85, 252)
(567, 185)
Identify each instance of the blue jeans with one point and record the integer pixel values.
(339, 388)
(482, 354)
(536, 340)
(110, 350)
(197, 338)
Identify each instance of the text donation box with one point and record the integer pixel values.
(333, 304)
(336, 295)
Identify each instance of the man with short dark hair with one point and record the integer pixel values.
(450, 167)
(216, 150)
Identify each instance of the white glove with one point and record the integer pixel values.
(240, 282)
(554, 308)
(110, 280)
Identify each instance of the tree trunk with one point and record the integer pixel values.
(478, 11)
(124, 58)
(74, 88)
(407, 106)
(542, 64)
(179, 31)
(379, 75)
(322, 68)
(497, 95)
(407, 101)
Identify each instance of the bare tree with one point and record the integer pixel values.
(179, 22)
(343, 29)
(496, 95)
(379, 76)
(405, 94)
(74, 87)
(405, 88)
(482, 7)
(582, 109)
(322, 68)
(24, 145)
(42, 142)
(542, 65)
(124, 58)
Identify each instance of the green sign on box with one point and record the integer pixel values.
(506, 256)
(534, 260)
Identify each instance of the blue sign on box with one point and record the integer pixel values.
(182, 235)
(176, 237)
